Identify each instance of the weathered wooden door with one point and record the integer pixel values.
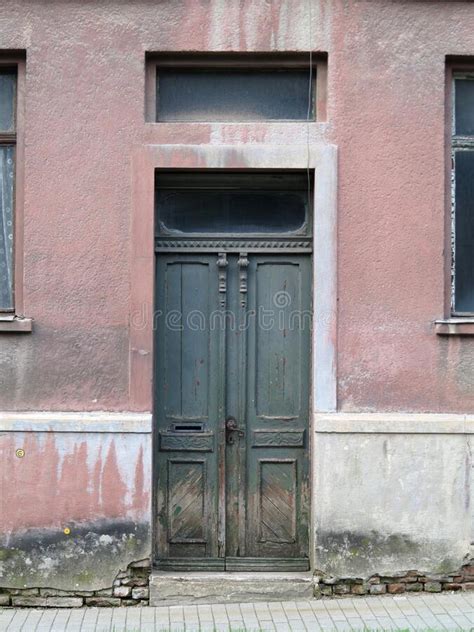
(232, 356)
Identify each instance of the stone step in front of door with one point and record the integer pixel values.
(168, 588)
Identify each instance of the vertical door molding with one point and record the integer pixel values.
(222, 264)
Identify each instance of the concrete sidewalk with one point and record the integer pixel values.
(453, 611)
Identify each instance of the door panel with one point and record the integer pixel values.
(186, 501)
(235, 338)
(186, 411)
(277, 348)
(277, 501)
(187, 362)
(278, 356)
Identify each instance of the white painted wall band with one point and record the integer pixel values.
(93, 422)
(394, 423)
(141, 423)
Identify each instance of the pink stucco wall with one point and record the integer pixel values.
(85, 116)
(388, 107)
(68, 478)
(74, 506)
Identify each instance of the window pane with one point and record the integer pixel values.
(6, 226)
(464, 242)
(465, 107)
(7, 101)
(228, 205)
(233, 95)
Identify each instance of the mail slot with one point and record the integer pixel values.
(189, 427)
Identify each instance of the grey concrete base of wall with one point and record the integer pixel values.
(130, 588)
(136, 587)
(395, 583)
(393, 491)
(167, 588)
(199, 587)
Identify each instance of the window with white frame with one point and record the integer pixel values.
(463, 196)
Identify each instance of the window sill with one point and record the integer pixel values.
(455, 326)
(9, 323)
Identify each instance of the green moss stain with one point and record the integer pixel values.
(7, 554)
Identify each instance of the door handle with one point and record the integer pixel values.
(231, 427)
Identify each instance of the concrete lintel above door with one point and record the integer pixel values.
(167, 588)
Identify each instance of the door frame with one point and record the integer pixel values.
(321, 160)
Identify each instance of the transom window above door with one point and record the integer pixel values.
(231, 203)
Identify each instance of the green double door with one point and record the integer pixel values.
(231, 386)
